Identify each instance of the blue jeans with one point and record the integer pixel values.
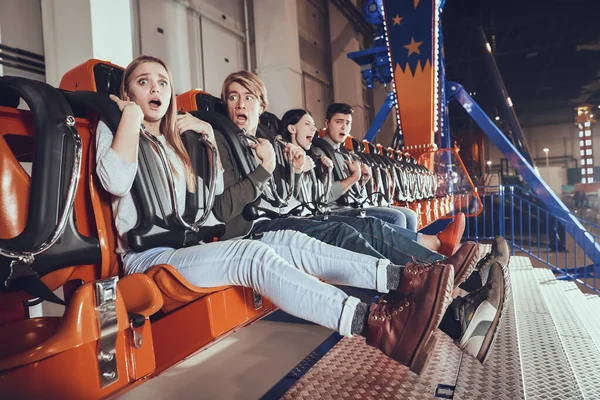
(412, 219)
(281, 266)
(400, 216)
(367, 236)
(378, 222)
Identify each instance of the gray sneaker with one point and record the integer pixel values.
(501, 253)
(480, 313)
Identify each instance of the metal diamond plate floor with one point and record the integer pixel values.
(582, 353)
(545, 350)
(354, 370)
(589, 312)
(546, 370)
(500, 377)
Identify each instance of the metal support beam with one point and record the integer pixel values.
(581, 236)
(386, 107)
(503, 100)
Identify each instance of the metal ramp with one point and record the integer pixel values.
(548, 347)
(354, 370)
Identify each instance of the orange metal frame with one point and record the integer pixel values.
(82, 76)
(442, 208)
(187, 101)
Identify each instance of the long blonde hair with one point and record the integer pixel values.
(168, 122)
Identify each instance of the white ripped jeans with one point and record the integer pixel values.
(281, 265)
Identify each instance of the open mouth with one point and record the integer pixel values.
(155, 104)
(241, 119)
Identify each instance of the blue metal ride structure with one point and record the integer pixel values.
(376, 67)
(375, 64)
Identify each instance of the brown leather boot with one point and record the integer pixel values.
(402, 328)
(464, 261)
(415, 276)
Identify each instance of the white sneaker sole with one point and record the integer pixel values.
(470, 344)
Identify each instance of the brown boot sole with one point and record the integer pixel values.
(490, 338)
(443, 299)
(465, 272)
(422, 358)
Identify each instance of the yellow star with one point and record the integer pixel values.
(413, 47)
(397, 19)
(416, 2)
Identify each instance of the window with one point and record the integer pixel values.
(583, 180)
(588, 142)
(587, 124)
(582, 161)
(588, 152)
(588, 132)
(580, 133)
(590, 171)
(582, 171)
(581, 143)
(582, 152)
(591, 179)
(589, 161)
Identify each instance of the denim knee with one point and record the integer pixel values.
(261, 257)
(393, 218)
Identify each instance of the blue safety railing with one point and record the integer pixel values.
(533, 228)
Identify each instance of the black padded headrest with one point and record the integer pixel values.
(357, 145)
(53, 160)
(99, 103)
(50, 111)
(108, 79)
(265, 132)
(270, 120)
(207, 102)
(9, 99)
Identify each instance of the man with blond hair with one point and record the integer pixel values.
(245, 98)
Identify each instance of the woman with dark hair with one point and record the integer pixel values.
(298, 127)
